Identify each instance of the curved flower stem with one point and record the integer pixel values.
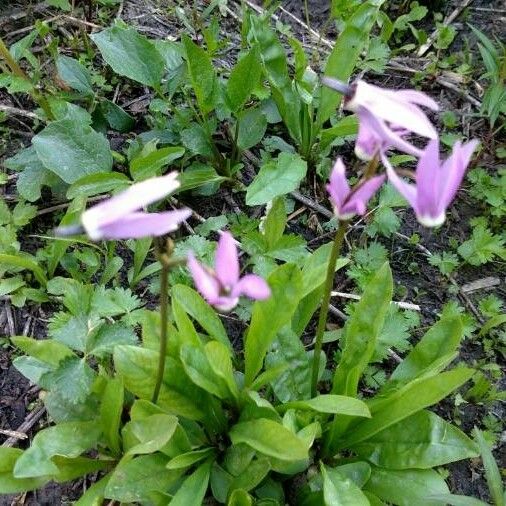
(324, 308)
(164, 260)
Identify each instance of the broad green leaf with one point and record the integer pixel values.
(108, 337)
(197, 140)
(72, 150)
(328, 403)
(199, 310)
(199, 370)
(338, 490)
(440, 342)
(252, 124)
(10, 285)
(71, 468)
(95, 184)
(244, 78)
(411, 487)
(422, 441)
(24, 263)
(194, 177)
(150, 165)
(344, 127)
(275, 178)
(9, 484)
(269, 316)
(186, 460)
(74, 74)
(130, 54)
(240, 497)
(187, 332)
(202, 74)
(345, 54)
(252, 476)
(153, 433)
(65, 439)
(193, 489)
(110, 114)
(138, 368)
(94, 495)
(135, 480)
(111, 411)
(358, 472)
(415, 396)
(31, 368)
(275, 222)
(45, 350)
(492, 472)
(270, 438)
(220, 360)
(457, 500)
(361, 332)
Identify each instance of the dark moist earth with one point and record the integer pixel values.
(425, 286)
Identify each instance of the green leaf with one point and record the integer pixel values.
(269, 316)
(46, 350)
(150, 165)
(65, 439)
(74, 74)
(9, 285)
(328, 403)
(240, 497)
(108, 337)
(111, 411)
(115, 116)
(244, 78)
(492, 472)
(361, 332)
(410, 399)
(436, 349)
(94, 184)
(422, 441)
(9, 484)
(197, 141)
(202, 74)
(411, 487)
(64, 5)
(193, 489)
(130, 54)
(199, 310)
(269, 438)
(275, 222)
(153, 433)
(187, 459)
(252, 476)
(457, 500)
(338, 490)
(138, 368)
(194, 177)
(94, 495)
(72, 468)
(135, 480)
(72, 150)
(275, 178)
(220, 360)
(252, 124)
(24, 263)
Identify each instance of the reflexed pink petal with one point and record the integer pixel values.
(132, 199)
(368, 143)
(408, 191)
(357, 203)
(227, 260)
(338, 186)
(206, 283)
(417, 97)
(252, 286)
(454, 170)
(225, 304)
(429, 180)
(135, 225)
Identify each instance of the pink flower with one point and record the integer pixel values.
(223, 286)
(436, 183)
(119, 217)
(386, 116)
(348, 202)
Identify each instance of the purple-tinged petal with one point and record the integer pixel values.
(132, 199)
(136, 225)
(429, 180)
(252, 286)
(338, 186)
(368, 142)
(357, 203)
(417, 97)
(408, 191)
(206, 283)
(227, 261)
(454, 169)
(225, 303)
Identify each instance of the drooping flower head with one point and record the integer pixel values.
(385, 116)
(223, 286)
(348, 202)
(120, 216)
(436, 183)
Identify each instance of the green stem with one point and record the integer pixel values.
(19, 72)
(324, 308)
(164, 309)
